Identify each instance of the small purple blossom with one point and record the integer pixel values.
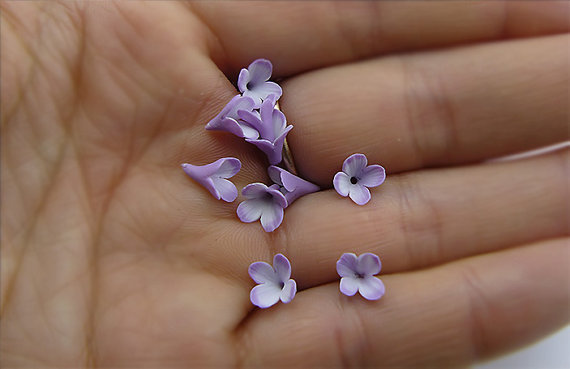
(214, 177)
(357, 275)
(264, 203)
(254, 82)
(274, 283)
(356, 177)
(272, 127)
(228, 119)
(290, 185)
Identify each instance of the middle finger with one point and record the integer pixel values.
(430, 109)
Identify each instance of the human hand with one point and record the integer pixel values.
(113, 257)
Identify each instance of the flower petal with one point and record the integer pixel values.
(262, 92)
(271, 217)
(243, 80)
(266, 114)
(254, 190)
(342, 183)
(372, 176)
(248, 132)
(354, 164)
(275, 174)
(238, 128)
(359, 194)
(347, 265)
(278, 197)
(229, 167)
(226, 189)
(251, 118)
(261, 272)
(278, 124)
(289, 290)
(274, 153)
(368, 264)
(349, 285)
(265, 295)
(260, 70)
(241, 103)
(236, 104)
(250, 210)
(371, 288)
(282, 267)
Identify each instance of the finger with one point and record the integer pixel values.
(305, 35)
(447, 316)
(430, 109)
(431, 217)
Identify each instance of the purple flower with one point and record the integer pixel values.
(358, 275)
(356, 177)
(275, 282)
(290, 185)
(265, 203)
(214, 177)
(228, 119)
(254, 82)
(272, 127)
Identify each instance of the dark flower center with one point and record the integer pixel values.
(281, 284)
(249, 85)
(353, 180)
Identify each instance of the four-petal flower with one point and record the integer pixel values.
(275, 282)
(357, 275)
(214, 177)
(228, 119)
(254, 82)
(290, 185)
(265, 203)
(356, 177)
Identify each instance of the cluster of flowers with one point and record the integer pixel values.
(274, 282)
(254, 115)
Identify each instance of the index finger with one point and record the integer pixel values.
(299, 36)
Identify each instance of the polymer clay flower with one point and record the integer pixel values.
(272, 127)
(254, 82)
(290, 185)
(275, 282)
(264, 203)
(357, 275)
(356, 177)
(228, 119)
(215, 176)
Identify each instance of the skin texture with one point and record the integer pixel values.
(112, 257)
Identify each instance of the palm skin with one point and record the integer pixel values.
(113, 258)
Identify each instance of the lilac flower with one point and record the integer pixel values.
(272, 127)
(290, 185)
(228, 119)
(356, 177)
(358, 275)
(254, 82)
(275, 282)
(265, 203)
(214, 177)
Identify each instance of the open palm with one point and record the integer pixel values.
(112, 257)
